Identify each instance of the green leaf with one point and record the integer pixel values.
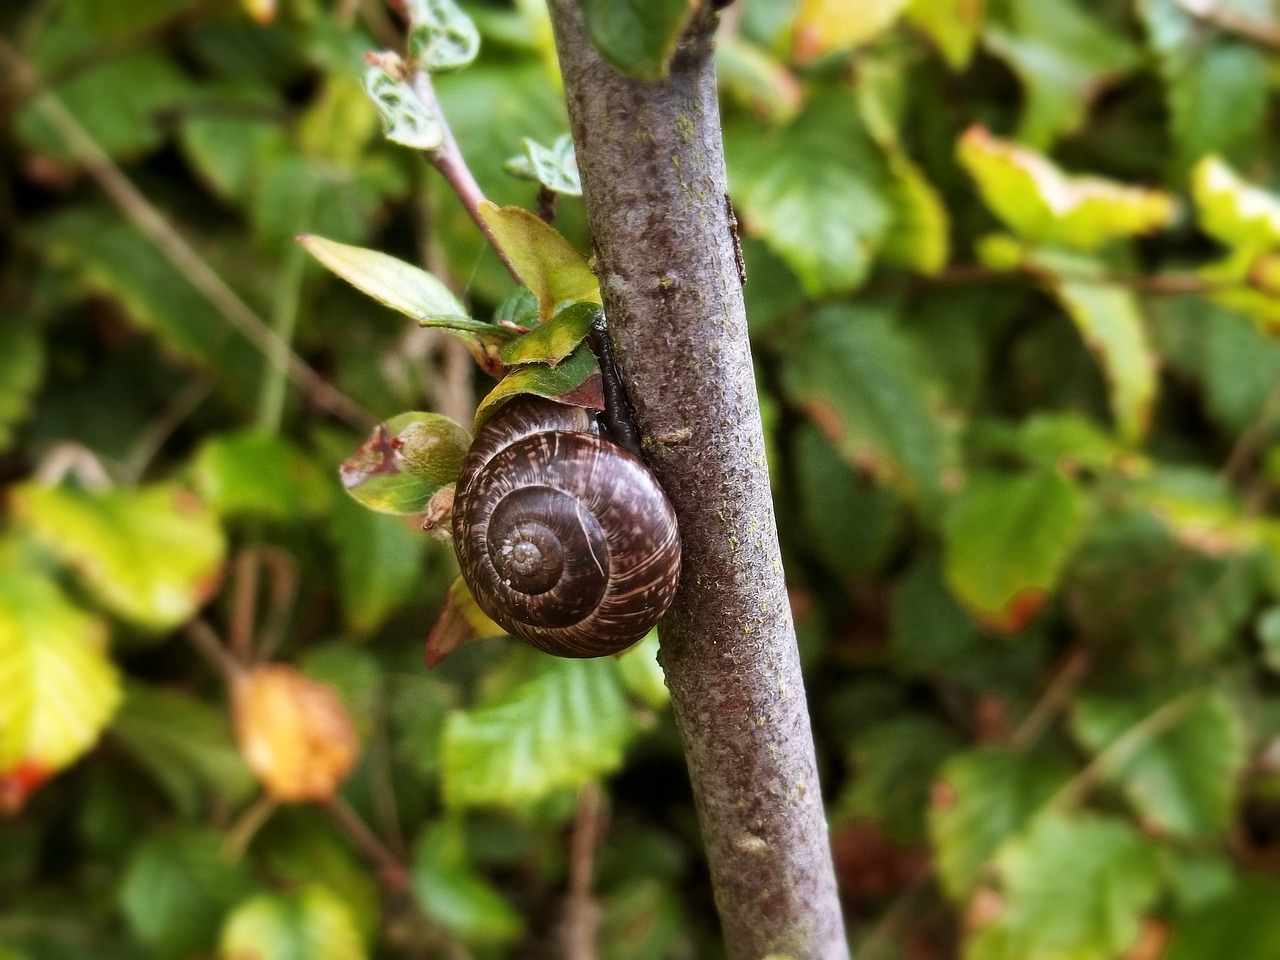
(22, 358)
(302, 847)
(60, 689)
(1241, 216)
(1180, 775)
(858, 377)
(554, 340)
(1268, 630)
(1007, 540)
(120, 104)
(1041, 203)
(544, 260)
(565, 727)
(406, 120)
(929, 633)
(1075, 888)
(151, 555)
(1110, 322)
(893, 764)
(555, 167)
(1063, 58)
(982, 798)
(539, 380)
(849, 522)
(379, 563)
(747, 74)
(453, 893)
(951, 24)
(1242, 924)
(111, 257)
(185, 745)
(1065, 442)
(637, 36)
(441, 37)
(312, 923)
(259, 474)
(642, 674)
(402, 464)
(817, 192)
(1202, 72)
(918, 234)
(395, 283)
(177, 887)
(230, 152)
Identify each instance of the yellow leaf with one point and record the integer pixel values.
(58, 689)
(545, 261)
(826, 25)
(294, 733)
(1040, 202)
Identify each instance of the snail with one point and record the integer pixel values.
(564, 536)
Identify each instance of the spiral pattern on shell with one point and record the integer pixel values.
(565, 539)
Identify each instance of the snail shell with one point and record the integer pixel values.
(565, 539)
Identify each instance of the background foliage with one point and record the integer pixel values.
(1013, 272)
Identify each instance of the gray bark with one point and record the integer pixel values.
(652, 163)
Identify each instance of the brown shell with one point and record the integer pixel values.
(565, 539)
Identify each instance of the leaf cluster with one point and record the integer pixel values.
(1012, 291)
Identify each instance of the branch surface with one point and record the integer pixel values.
(652, 163)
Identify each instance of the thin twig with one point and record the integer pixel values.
(393, 871)
(1057, 695)
(1250, 442)
(282, 579)
(247, 825)
(143, 215)
(244, 604)
(143, 450)
(382, 789)
(882, 934)
(205, 639)
(582, 914)
(448, 159)
(1124, 747)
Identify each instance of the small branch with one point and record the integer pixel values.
(651, 157)
(1261, 32)
(205, 640)
(393, 872)
(247, 825)
(448, 159)
(143, 215)
(1123, 748)
(282, 579)
(143, 450)
(1250, 442)
(1057, 695)
(582, 913)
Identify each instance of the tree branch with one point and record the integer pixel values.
(652, 163)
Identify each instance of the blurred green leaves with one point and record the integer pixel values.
(152, 556)
(566, 726)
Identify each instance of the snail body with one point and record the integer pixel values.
(564, 537)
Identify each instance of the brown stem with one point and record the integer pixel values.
(1253, 438)
(205, 640)
(582, 914)
(652, 163)
(1057, 696)
(448, 159)
(392, 871)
